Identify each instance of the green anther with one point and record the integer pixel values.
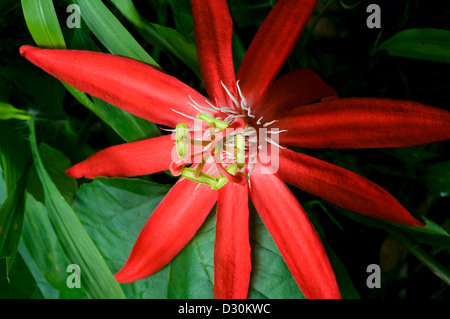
(240, 146)
(203, 178)
(221, 181)
(210, 120)
(181, 138)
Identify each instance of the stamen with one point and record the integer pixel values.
(203, 178)
(243, 100)
(198, 169)
(269, 123)
(230, 95)
(259, 121)
(276, 132)
(268, 139)
(223, 109)
(232, 169)
(189, 117)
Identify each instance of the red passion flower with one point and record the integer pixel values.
(221, 145)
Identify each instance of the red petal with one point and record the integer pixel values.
(232, 263)
(296, 88)
(294, 235)
(128, 84)
(364, 123)
(341, 187)
(213, 30)
(272, 45)
(130, 159)
(171, 226)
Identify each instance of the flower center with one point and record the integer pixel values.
(223, 145)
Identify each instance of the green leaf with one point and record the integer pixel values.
(7, 111)
(96, 277)
(47, 291)
(181, 10)
(3, 194)
(14, 159)
(43, 24)
(126, 125)
(167, 37)
(114, 210)
(42, 244)
(270, 277)
(111, 33)
(55, 164)
(423, 44)
(19, 283)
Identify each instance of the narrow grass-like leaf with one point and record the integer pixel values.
(423, 44)
(43, 253)
(96, 277)
(126, 125)
(55, 163)
(111, 33)
(7, 111)
(409, 237)
(43, 24)
(167, 37)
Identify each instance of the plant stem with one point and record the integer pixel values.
(420, 254)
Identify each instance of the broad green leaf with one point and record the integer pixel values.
(270, 277)
(55, 164)
(47, 291)
(14, 159)
(43, 23)
(19, 283)
(423, 44)
(111, 33)
(169, 38)
(96, 277)
(191, 272)
(7, 111)
(114, 210)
